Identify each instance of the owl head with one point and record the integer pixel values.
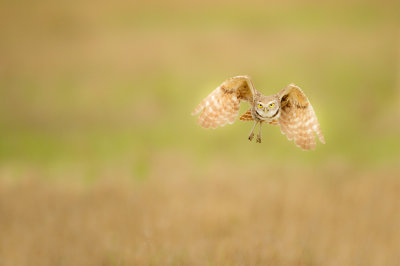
(268, 107)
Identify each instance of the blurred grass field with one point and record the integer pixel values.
(102, 164)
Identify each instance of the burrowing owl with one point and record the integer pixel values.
(289, 108)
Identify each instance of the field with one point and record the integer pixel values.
(222, 219)
(102, 164)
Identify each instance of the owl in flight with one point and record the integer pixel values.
(289, 108)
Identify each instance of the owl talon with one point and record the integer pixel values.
(259, 134)
(251, 136)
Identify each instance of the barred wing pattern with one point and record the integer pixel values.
(297, 119)
(249, 117)
(246, 116)
(222, 105)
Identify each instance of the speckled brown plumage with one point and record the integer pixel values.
(289, 108)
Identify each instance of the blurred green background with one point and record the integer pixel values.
(94, 83)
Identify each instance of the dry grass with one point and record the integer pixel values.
(220, 218)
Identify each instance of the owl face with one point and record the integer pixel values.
(267, 108)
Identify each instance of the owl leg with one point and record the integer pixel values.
(259, 135)
(251, 136)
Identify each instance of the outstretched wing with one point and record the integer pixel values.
(297, 119)
(222, 105)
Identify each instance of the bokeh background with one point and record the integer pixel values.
(102, 164)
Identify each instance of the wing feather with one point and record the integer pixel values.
(221, 106)
(298, 120)
(247, 116)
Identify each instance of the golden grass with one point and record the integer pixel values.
(285, 216)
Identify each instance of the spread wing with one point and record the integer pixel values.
(222, 105)
(297, 119)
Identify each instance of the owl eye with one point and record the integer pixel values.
(260, 105)
(271, 105)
